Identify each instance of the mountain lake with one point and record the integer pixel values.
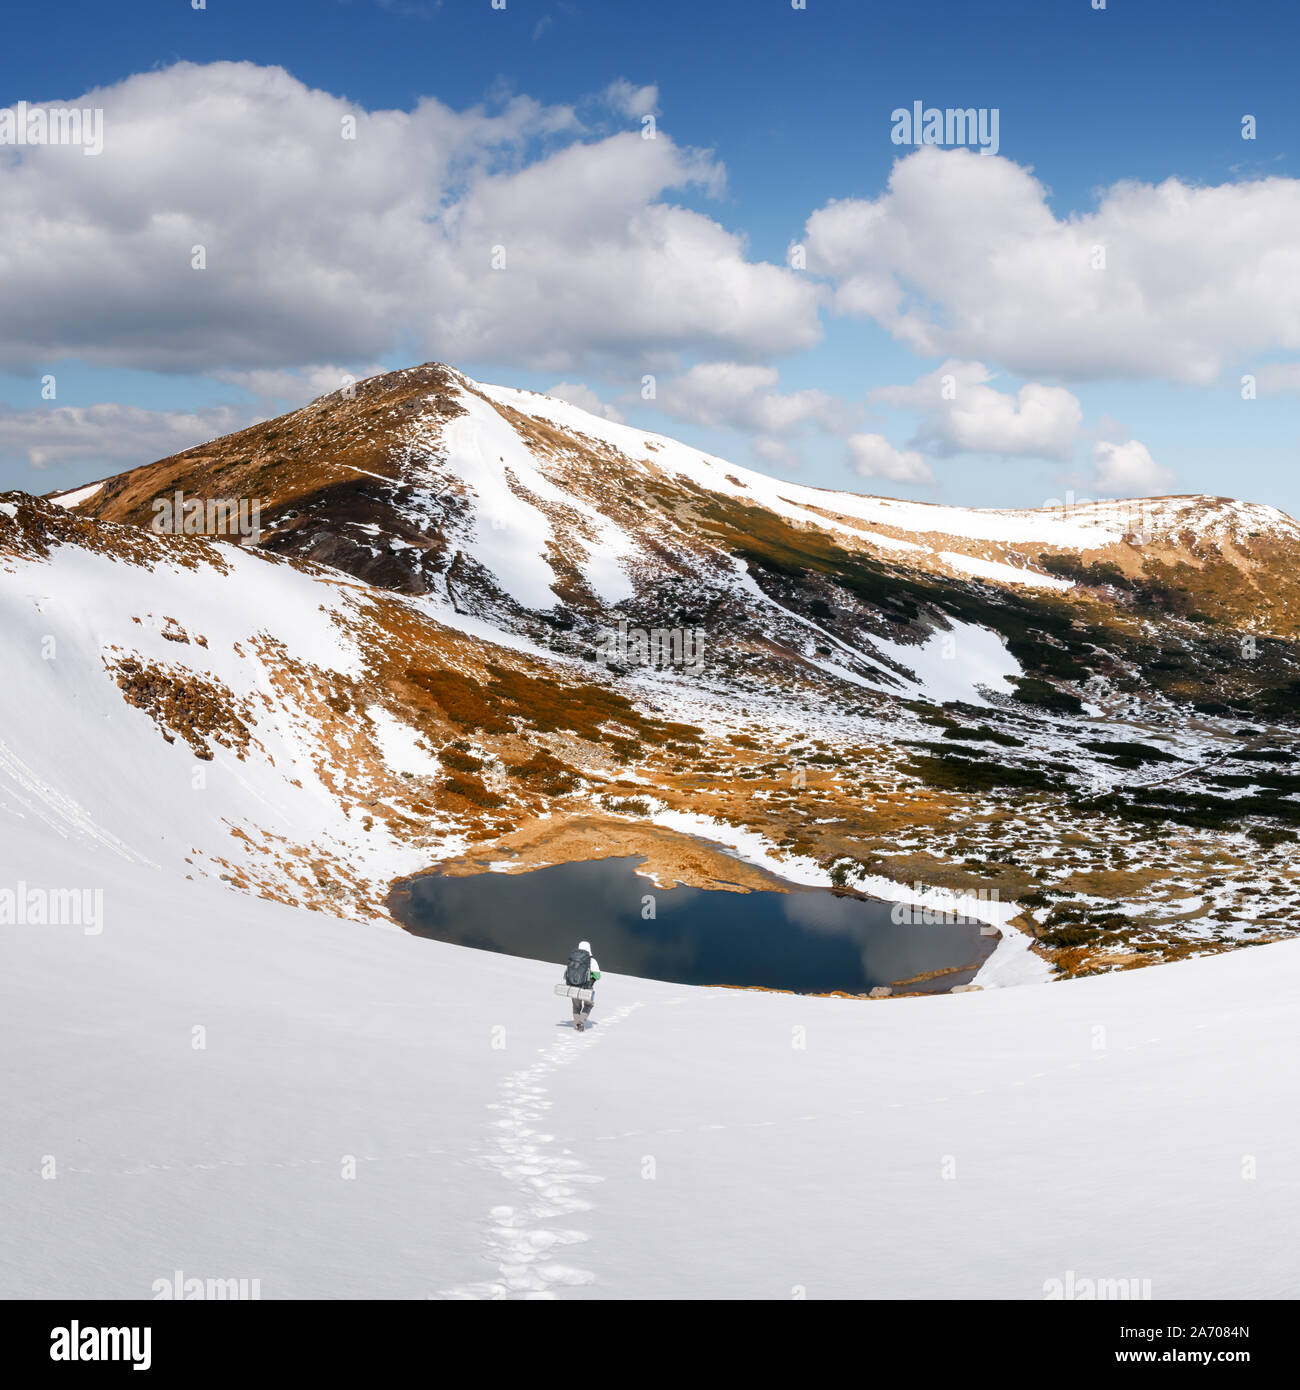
(807, 940)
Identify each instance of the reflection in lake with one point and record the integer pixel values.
(811, 941)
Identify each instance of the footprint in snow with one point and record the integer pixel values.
(549, 1183)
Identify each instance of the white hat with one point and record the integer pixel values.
(585, 946)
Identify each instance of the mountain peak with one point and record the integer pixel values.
(511, 503)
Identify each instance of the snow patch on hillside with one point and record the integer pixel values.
(960, 664)
(1004, 574)
(76, 498)
(511, 536)
(400, 746)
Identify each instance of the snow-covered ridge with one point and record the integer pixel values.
(1079, 525)
(797, 501)
(533, 491)
(1197, 513)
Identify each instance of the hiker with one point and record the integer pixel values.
(583, 971)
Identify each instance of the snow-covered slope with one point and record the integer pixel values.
(165, 703)
(374, 1115)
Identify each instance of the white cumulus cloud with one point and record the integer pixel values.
(960, 411)
(741, 396)
(962, 256)
(744, 397)
(1128, 469)
(630, 100)
(503, 233)
(873, 456)
(1279, 378)
(581, 395)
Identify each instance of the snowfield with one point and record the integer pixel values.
(375, 1115)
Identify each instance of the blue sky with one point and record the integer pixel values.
(1125, 379)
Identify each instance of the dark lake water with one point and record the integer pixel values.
(811, 941)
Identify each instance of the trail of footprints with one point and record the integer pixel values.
(530, 1258)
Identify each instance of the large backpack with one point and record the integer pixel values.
(578, 971)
